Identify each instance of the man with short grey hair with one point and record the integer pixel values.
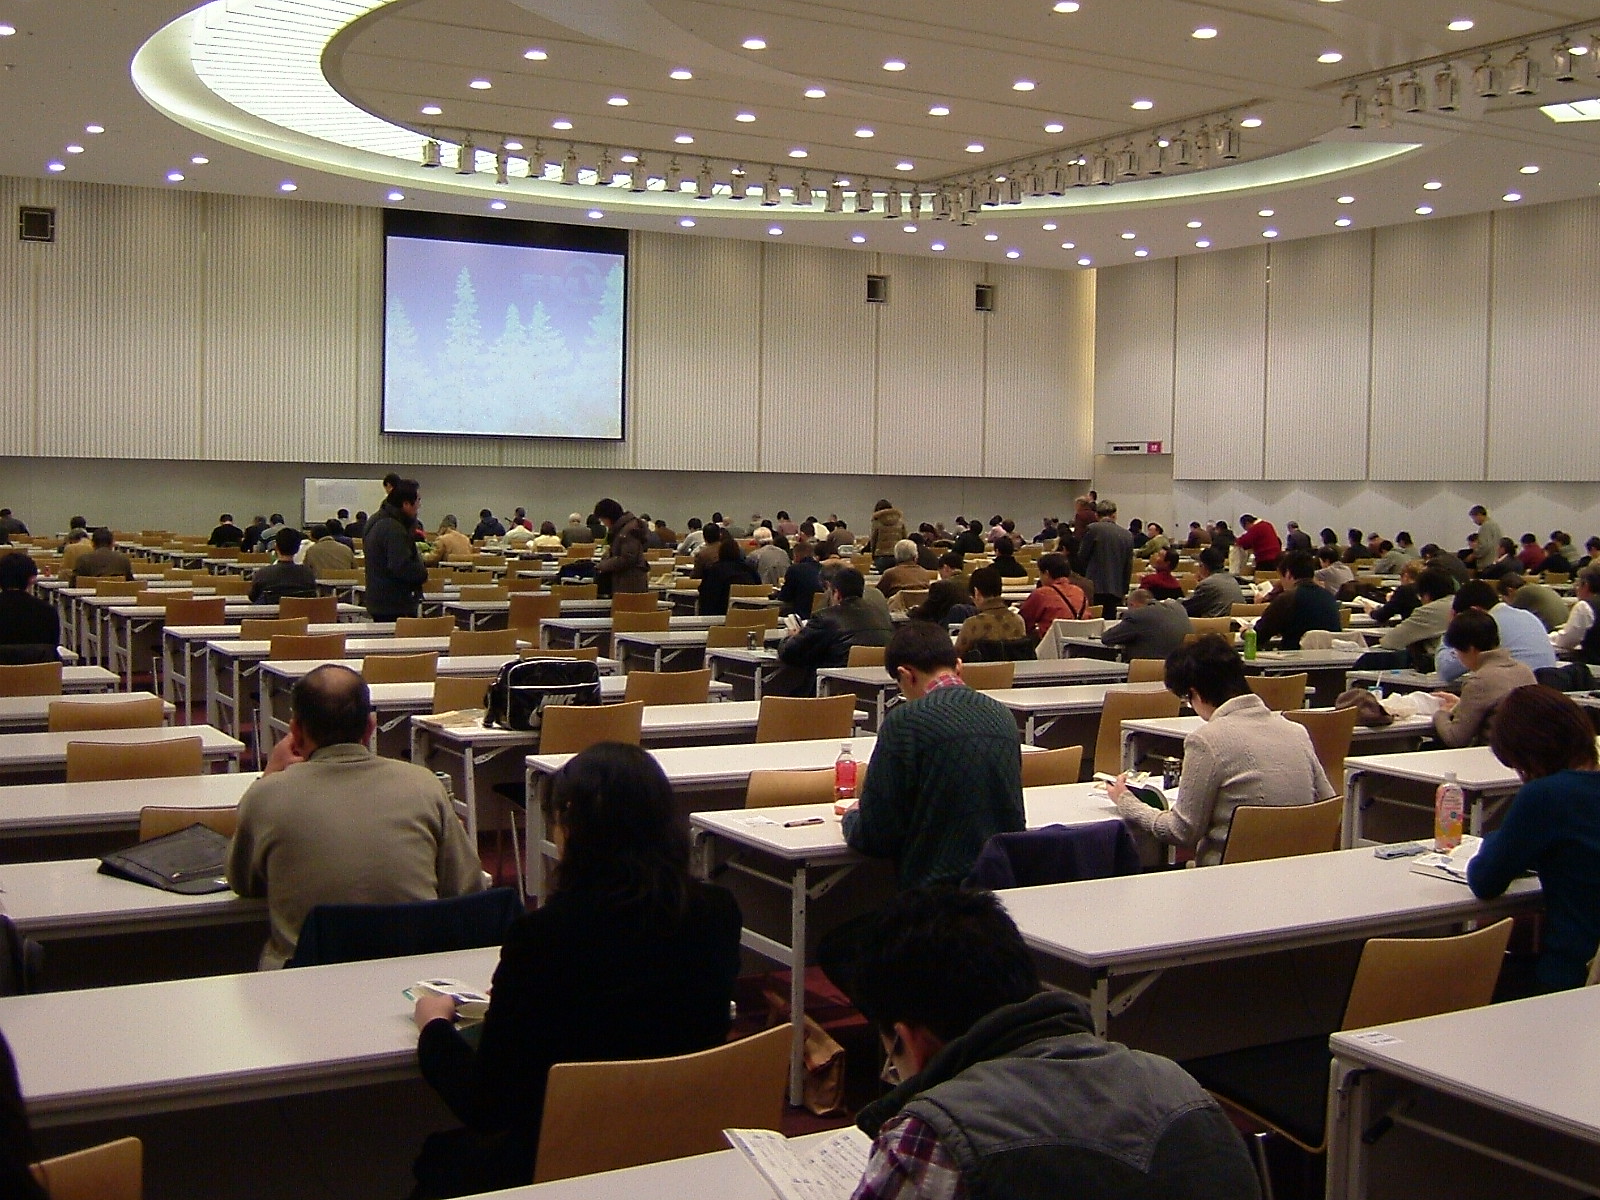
(1105, 555)
(769, 561)
(906, 572)
(1150, 628)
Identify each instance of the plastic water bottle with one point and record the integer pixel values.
(844, 775)
(1448, 803)
(1250, 643)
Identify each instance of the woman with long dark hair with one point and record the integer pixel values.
(629, 958)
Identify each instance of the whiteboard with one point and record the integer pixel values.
(325, 497)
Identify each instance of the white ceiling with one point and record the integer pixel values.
(68, 66)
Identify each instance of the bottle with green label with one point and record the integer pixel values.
(1250, 644)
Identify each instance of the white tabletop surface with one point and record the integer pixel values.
(1309, 659)
(1038, 673)
(1536, 1059)
(71, 898)
(33, 711)
(1083, 697)
(598, 624)
(706, 766)
(222, 633)
(355, 647)
(1244, 908)
(239, 609)
(223, 1038)
(461, 664)
(76, 681)
(1181, 727)
(673, 638)
(1476, 767)
(50, 749)
(730, 717)
(32, 808)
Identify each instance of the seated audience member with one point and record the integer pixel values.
(1579, 637)
(994, 621)
(1355, 547)
(10, 525)
(1005, 559)
(1222, 537)
(450, 543)
(954, 566)
(1056, 598)
(1002, 1088)
(1150, 628)
(1261, 539)
(252, 534)
(1332, 574)
(329, 822)
(1474, 638)
(340, 533)
(1452, 564)
(1295, 538)
(1199, 536)
(1244, 754)
(1522, 635)
(711, 548)
(948, 603)
(1504, 562)
(1415, 640)
(488, 526)
(1551, 828)
(785, 524)
(576, 530)
(1391, 559)
(769, 561)
(1403, 600)
(268, 532)
(825, 640)
(102, 562)
(77, 545)
(285, 577)
(1531, 555)
(327, 554)
(226, 533)
(801, 582)
(927, 557)
(630, 957)
(716, 584)
(1591, 556)
(547, 540)
(905, 573)
(1539, 599)
(1156, 540)
(1300, 607)
(1558, 554)
(693, 538)
(1218, 591)
(668, 535)
(1136, 531)
(970, 540)
(30, 630)
(1161, 582)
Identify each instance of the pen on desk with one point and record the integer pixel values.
(803, 821)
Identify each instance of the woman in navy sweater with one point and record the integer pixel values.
(629, 958)
(1552, 827)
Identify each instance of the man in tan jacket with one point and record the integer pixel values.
(1475, 637)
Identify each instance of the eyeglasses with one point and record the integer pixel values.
(891, 1073)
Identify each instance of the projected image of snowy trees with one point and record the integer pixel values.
(509, 351)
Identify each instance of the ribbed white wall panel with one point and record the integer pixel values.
(20, 265)
(119, 324)
(1135, 339)
(1219, 399)
(1430, 349)
(697, 367)
(1034, 399)
(283, 316)
(1545, 329)
(930, 370)
(1319, 303)
(818, 359)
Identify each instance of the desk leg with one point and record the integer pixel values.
(1475, 827)
(797, 984)
(1355, 794)
(1349, 1113)
(1100, 1002)
(213, 682)
(535, 863)
(1130, 753)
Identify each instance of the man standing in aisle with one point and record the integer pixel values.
(1489, 535)
(395, 570)
(624, 568)
(1105, 555)
(1261, 539)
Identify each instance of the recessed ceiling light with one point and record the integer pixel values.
(680, 74)
(1330, 56)
(864, 132)
(905, 165)
(858, 238)
(1269, 233)
(937, 246)
(288, 185)
(746, 117)
(1142, 105)
(1579, 49)
(686, 222)
(894, 64)
(595, 214)
(497, 205)
(908, 228)
(1055, 127)
(1511, 197)
(617, 101)
(1195, 224)
(198, 160)
(561, 123)
(1203, 244)
(1067, 6)
(816, 94)
(512, 145)
(1343, 222)
(1023, 85)
(61, 166)
(535, 55)
(1049, 227)
(991, 237)
(1013, 253)
(754, 43)
(1424, 210)
(396, 197)
(1530, 169)
(1250, 123)
(1459, 26)
(628, 158)
(775, 230)
(1433, 185)
(7, 30)
(939, 110)
(77, 149)
(1085, 261)
(431, 110)
(1578, 110)
(1266, 212)
(172, 176)
(684, 139)
(1069, 245)
(1141, 252)
(480, 85)
(799, 152)
(1128, 235)
(974, 147)
(1347, 199)
(1205, 33)
(94, 128)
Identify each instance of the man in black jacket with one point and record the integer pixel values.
(285, 577)
(29, 628)
(1003, 1089)
(395, 570)
(226, 533)
(825, 640)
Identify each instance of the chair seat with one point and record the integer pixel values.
(1285, 1084)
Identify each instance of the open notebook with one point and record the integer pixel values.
(1450, 864)
(827, 1171)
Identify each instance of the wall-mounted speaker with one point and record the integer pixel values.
(983, 297)
(877, 289)
(36, 224)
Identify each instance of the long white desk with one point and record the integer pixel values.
(34, 753)
(82, 680)
(684, 648)
(1514, 1083)
(113, 1052)
(874, 687)
(745, 670)
(1485, 780)
(777, 848)
(1155, 736)
(27, 714)
(123, 623)
(70, 898)
(476, 614)
(1144, 924)
(1038, 709)
(110, 806)
(564, 631)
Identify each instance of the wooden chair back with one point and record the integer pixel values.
(1399, 979)
(1052, 766)
(401, 668)
(1280, 692)
(773, 789)
(1557, 577)
(1331, 730)
(263, 629)
(114, 586)
(756, 591)
(653, 621)
(588, 653)
(752, 618)
(1123, 706)
(112, 1171)
(575, 591)
(319, 610)
(230, 585)
(464, 579)
(90, 761)
(669, 687)
(1246, 610)
(424, 626)
(158, 820)
(804, 718)
(988, 676)
(202, 610)
(516, 583)
(452, 693)
(569, 728)
(483, 641)
(1200, 626)
(141, 712)
(327, 646)
(525, 610)
(31, 679)
(484, 591)
(865, 656)
(1261, 831)
(593, 1120)
(633, 602)
(160, 597)
(1147, 670)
